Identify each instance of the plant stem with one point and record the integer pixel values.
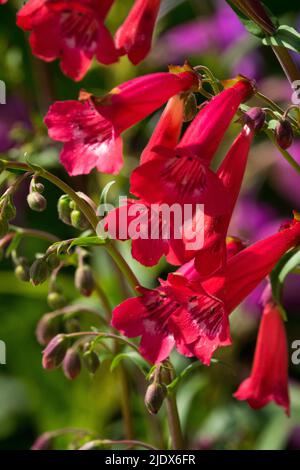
(125, 402)
(30, 232)
(284, 153)
(84, 207)
(287, 63)
(172, 413)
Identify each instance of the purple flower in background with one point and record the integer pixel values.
(216, 33)
(12, 113)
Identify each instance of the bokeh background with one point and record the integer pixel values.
(33, 400)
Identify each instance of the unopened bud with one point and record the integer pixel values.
(22, 272)
(284, 134)
(71, 364)
(254, 118)
(39, 187)
(36, 201)
(39, 271)
(48, 327)
(190, 107)
(91, 361)
(78, 220)
(43, 442)
(55, 352)
(64, 210)
(84, 280)
(56, 300)
(53, 261)
(155, 396)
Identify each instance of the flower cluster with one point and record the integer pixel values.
(78, 32)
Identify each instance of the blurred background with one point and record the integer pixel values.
(33, 400)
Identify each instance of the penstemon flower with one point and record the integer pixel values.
(192, 314)
(76, 29)
(91, 127)
(269, 376)
(182, 173)
(134, 37)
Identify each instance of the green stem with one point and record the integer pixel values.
(84, 207)
(30, 232)
(172, 413)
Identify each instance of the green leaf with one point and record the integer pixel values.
(14, 244)
(105, 191)
(88, 241)
(286, 37)
(134, 357)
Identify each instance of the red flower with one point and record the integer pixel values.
(269, 377)
(134, 37)
(231, 172)
(182, 174)
(70, 30)
(91, 128)
(193, 315)
(171, 240)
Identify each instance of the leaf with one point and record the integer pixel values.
(134, 357)
(105, 191)
(14, 244)
(87, 241)
(285, 36)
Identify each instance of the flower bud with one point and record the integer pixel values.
(56, 300)
(190, 107)
(39, 187)
(55, 352)
(91, 361)
(254, 118)
(53, 261)
(71, 364)
(78, 220)
(39, 271)
(84, 280)
(48, 327)
(154, 398)
(284, 134)
(36, 201)
(43, 442)
(64, 210)
(22, 272)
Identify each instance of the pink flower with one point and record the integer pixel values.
(91, 128)
(182, 174)
(269, 377)
(134, 37)
(71, 30)
(193, 315)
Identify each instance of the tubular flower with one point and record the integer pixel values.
(70, 30)
(182, 173)
(231, 172)
(91, 128)
(268, 380)
(152, 229)
(134, 37)
(193, 314)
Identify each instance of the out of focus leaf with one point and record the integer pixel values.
(134, 357)
(286, 37)
(88, 241)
